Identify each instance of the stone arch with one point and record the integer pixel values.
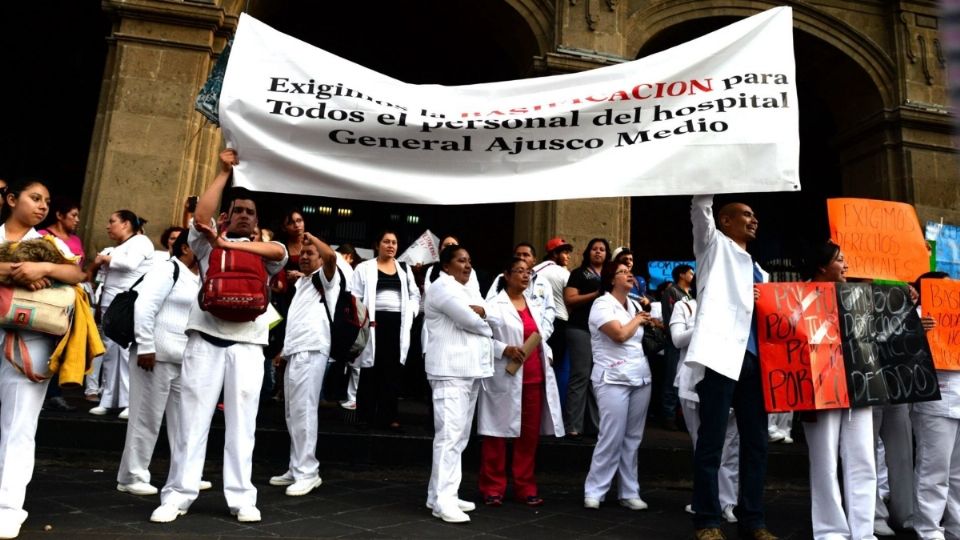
(646, 24)
(539, 17)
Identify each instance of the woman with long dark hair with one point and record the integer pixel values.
(582, 289)
(25, 205)
(131, 258)
(838, 434)
(388, 289)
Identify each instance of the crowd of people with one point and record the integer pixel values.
(226, 315)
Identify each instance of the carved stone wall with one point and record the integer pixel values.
(877, 64)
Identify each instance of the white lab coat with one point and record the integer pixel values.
(540, 294)
(724, 294)
(500, 395)
(364, 286)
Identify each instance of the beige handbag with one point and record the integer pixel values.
(48, 310)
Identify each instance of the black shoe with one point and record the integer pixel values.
(58, 404)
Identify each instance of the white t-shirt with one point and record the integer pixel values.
(256, 331)
(557, 276)
(308, 327)
(617, 363)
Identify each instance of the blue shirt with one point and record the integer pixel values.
(752, 341)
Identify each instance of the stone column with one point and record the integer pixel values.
(150, 149)
(589, 35)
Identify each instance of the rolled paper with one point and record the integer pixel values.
(528, 347)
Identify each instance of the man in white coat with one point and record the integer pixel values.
(723, 351)
(306, 350)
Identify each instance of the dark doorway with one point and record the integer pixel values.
(53, 56)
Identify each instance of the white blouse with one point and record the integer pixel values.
(617, 363)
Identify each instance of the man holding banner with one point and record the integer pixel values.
(724, 351)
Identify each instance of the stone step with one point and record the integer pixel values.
(665, 456)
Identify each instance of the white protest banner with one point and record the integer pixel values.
(714, 115)
(424, 250)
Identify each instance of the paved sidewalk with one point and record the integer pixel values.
(74, 493)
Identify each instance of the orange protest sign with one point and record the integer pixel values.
(880, 239)
(941, 300)
(801, 354)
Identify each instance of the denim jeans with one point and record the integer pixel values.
(717, 395)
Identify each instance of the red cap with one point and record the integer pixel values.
(557, 243)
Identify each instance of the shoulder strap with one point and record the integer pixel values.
(176, 271)
(137, 282)
(315, 279)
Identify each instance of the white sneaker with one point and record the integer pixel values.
(9, 530)
(464, 506)
(284, 479)
(728, 514)
(787, 439)
(247, 514)
(98, 411)
(165, 513)
(137, 488)
(880, 528)
(124, 414)
(591, 503)
(205, 485)
(689, 509)
(349, 405)
(302, 487)
(633, 504)
(775, 436)
(452, 516)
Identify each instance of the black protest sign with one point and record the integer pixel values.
(885, 349)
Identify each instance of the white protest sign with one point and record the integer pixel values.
(424, 250)
(714, 115)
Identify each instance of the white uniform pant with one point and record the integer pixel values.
(623, 416)
(937, 512)
(454, 401)
(892, 424)
(354, 383)
(781, 423)
(207, 368)
(91, 382)
(847, 434)
(302, 383)
(116, 375)
(20, 404)
(153, 395)
(729, 476)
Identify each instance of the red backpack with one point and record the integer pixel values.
(235, 286)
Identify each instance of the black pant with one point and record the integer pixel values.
(717, 394)
(379, 385)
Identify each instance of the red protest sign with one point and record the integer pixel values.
(941, 300)
(880, 239)
(799, 341)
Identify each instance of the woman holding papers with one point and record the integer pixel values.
(621, 380)
(458, 356)
(843, 433)
(512, 404)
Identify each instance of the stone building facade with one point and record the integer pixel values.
(871, 71)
